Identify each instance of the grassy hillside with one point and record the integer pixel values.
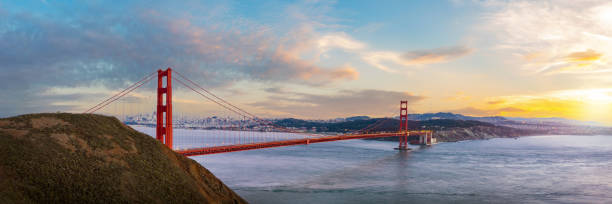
(85, 158)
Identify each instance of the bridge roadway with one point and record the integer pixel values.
(261, 145)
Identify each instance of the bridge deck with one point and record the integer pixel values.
(242, 147)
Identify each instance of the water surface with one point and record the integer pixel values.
(539, 169)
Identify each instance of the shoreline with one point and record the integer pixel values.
(474, 133)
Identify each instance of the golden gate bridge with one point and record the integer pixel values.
(164, 124)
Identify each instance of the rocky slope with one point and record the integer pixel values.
(479, 132)
(85, 158)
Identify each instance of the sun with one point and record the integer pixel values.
(604, 14)
(596, 104)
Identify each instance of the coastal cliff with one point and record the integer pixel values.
(479, 132)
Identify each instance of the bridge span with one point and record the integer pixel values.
(164, 123)
(303, 141)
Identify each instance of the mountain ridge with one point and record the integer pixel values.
(492, 119)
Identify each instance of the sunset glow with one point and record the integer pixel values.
(479, 58)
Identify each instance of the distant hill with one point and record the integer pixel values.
(357, 118)
(387, 124)
(446, 130)
(85, 158)
(499, 120)
(453, 116)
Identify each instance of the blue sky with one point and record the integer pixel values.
(315, 59)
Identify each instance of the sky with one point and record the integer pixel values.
(313, 59)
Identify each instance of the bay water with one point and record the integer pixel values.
(535, 169)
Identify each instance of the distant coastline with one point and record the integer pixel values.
(474, 133)
(451, 130)
(447, 127)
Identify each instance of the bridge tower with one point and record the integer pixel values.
(164, 107)
(403, 128)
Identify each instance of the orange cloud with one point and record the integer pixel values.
(588, 55)
(435, 55)
(346, 72)
(578, 61)
(496, 102)
(315, 75)
(575, 62)
(555, 40)
(383, 59)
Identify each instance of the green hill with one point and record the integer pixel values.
(85, 158)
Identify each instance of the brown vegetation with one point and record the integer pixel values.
(85, 158)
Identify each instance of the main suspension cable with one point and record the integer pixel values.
(241, 113)
(120, 94)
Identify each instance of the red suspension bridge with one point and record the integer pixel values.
(267, 136)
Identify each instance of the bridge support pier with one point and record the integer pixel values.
(427, 138)
(164, 110)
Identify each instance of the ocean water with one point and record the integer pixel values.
(537, 169)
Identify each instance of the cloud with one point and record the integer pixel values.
(587, 61)
(553, 37)
(256, 54)
(75, 49)
(380, 59)
(435, 55)
(581, 61)
(385, 60)
(217, 55)
(345, 72)
(276, 90)
(378, 103)
(473, 111)
(496, 102)
(286, 63)
(584, 56)
(339, 40)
